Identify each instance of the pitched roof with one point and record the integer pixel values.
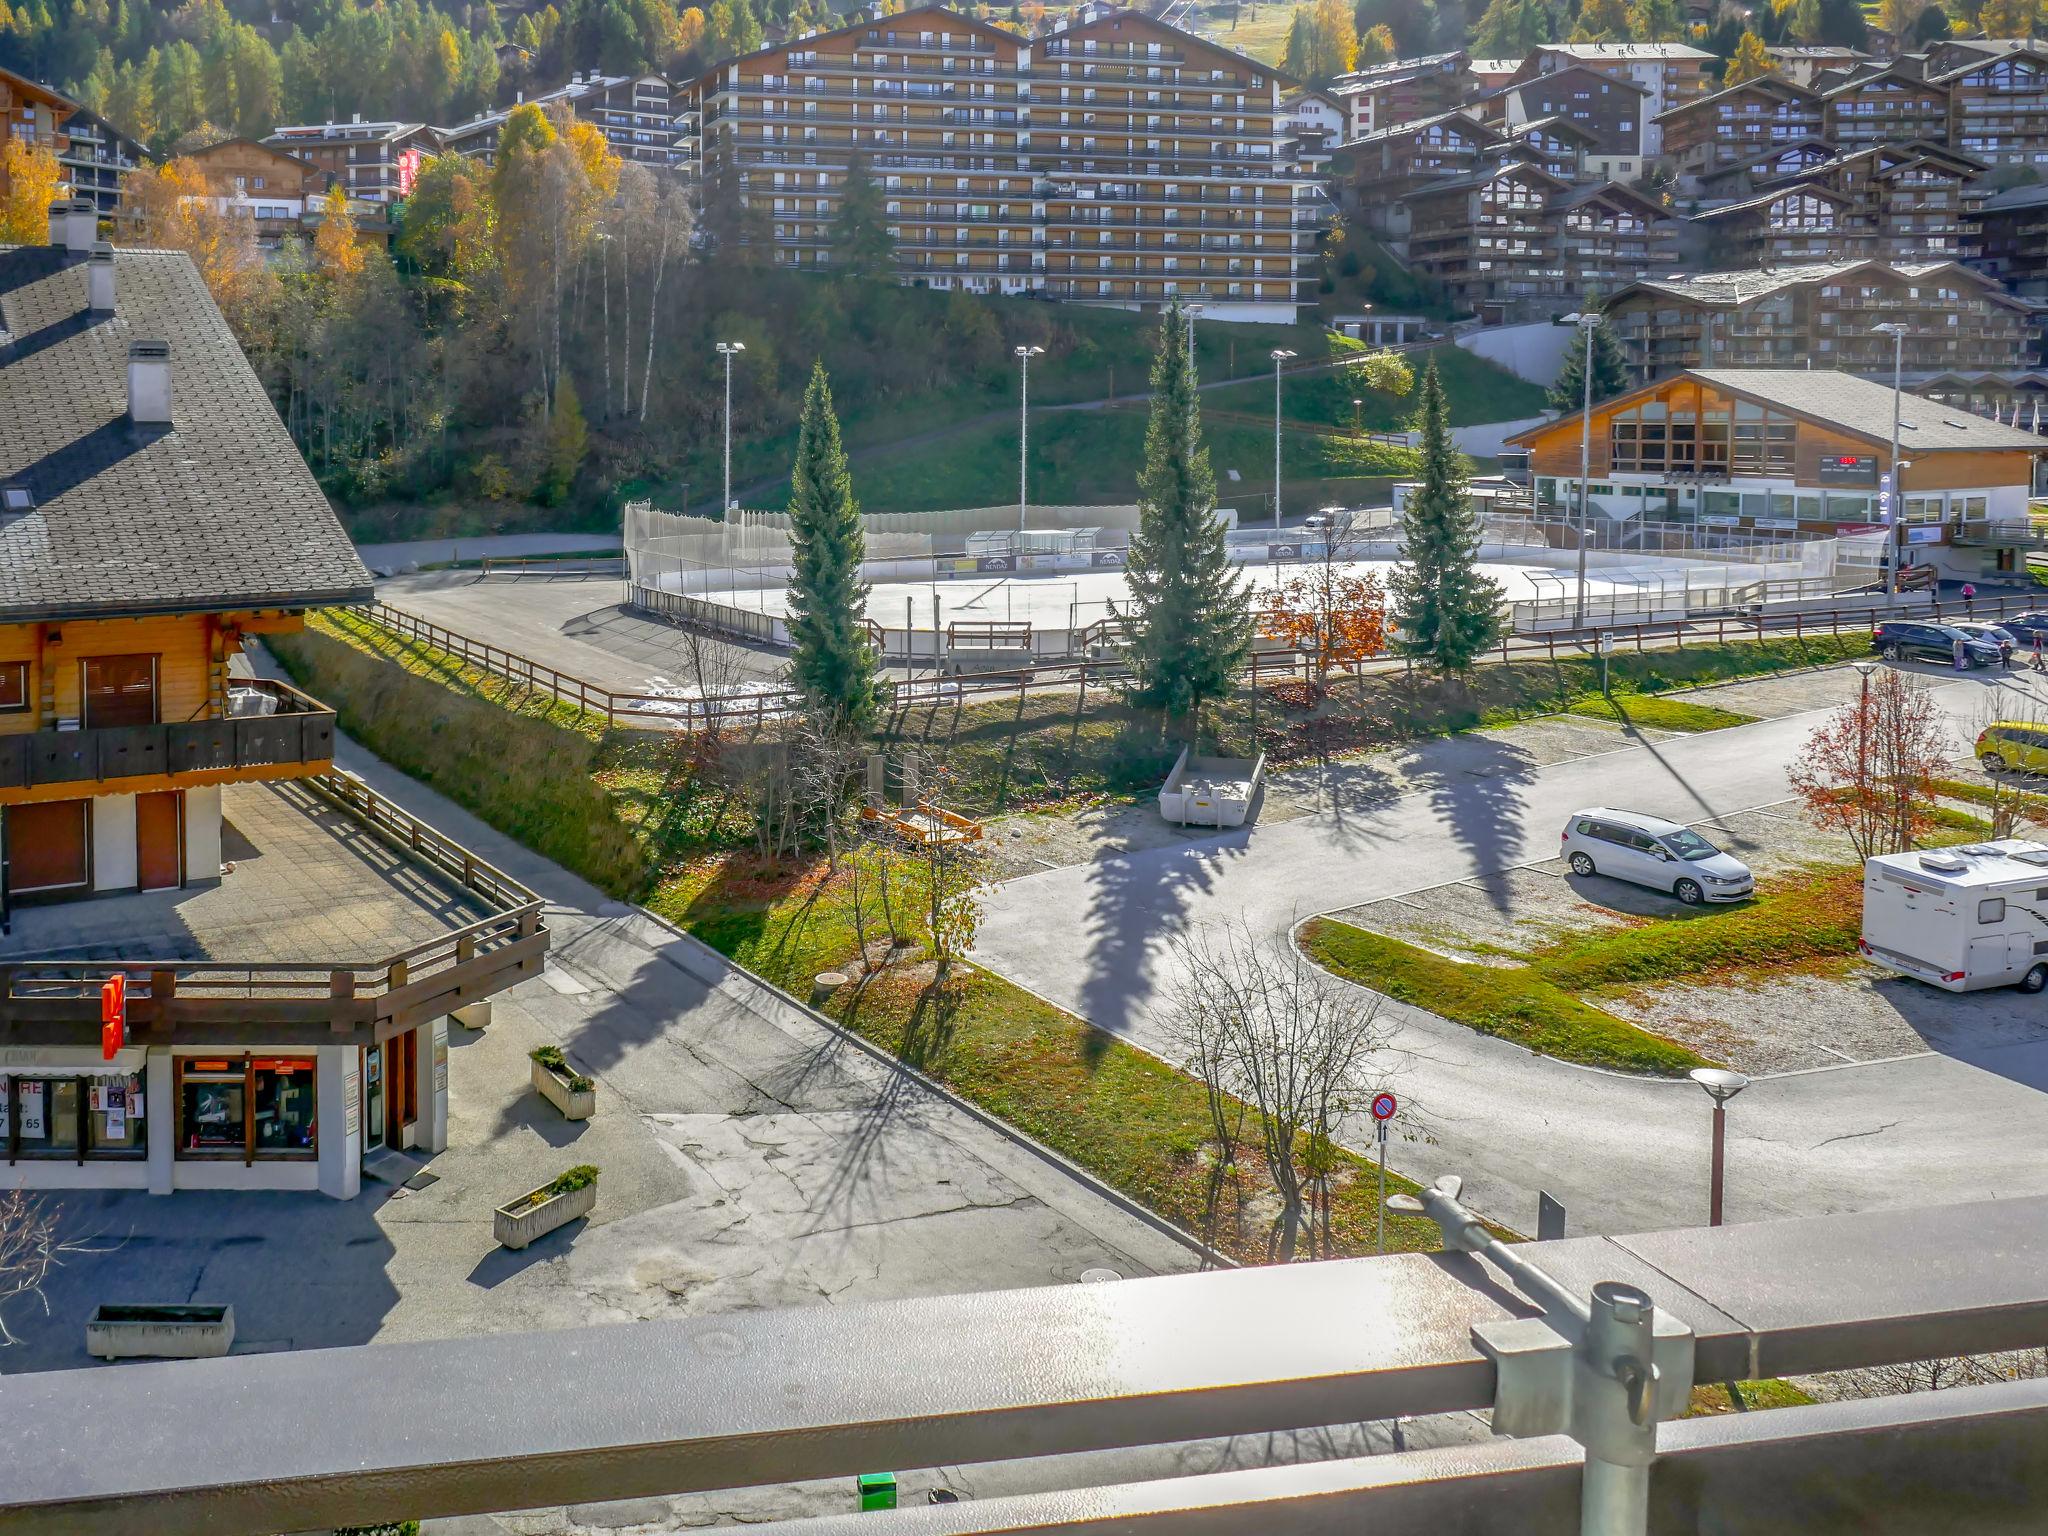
(1415, 125)
(1727, 290)
(1800, 182)
(21, 85)
(1625, 52)
(218, 511)
(2016, 197)
(1863, 408)
(1760, 83)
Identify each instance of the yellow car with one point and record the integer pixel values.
(2013, 744)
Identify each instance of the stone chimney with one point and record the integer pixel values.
(99, 279)
(81, 226)
(60, 214)
(149, 383)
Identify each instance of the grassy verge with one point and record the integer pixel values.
(626, 811)
(1512, 1002)
(1651, 712)
(1745, 1397)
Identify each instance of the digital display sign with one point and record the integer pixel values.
(1848, 469)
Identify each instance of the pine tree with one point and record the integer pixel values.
(1448, 613)
(1610, 371)
(861, 243)
(834, 664)
(1190, 614)
(1752, 61)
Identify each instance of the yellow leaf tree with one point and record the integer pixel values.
(1752, 61)
(337, 245)
(173, 207)
(29, 177)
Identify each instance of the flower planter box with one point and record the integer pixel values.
(519, 1222)
(574, 1103)
(173, 1331)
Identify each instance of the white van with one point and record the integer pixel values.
(1960, 918)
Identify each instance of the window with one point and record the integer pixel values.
(13, 687)
(1991, 910)
(119, 690)
(96, 1116)
(245, 1107)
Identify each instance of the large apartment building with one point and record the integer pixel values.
(1118, 162)
(1667, 74)
(1402, 90)
(374, 162)
(1959, 322)
(644, 118)
(95, 158)
(1733, 127)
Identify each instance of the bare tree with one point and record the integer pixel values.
(1292, 1044)
(29, 1249)
(1869, 769)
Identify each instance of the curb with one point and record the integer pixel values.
(724, 970)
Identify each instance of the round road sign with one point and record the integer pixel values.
(1383, 1106)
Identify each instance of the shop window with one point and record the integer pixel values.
(97, 1116)
(246, 1107)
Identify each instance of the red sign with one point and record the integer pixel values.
(113, 1015)
(1383, 1107)
(408, 171)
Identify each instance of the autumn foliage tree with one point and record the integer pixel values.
(29, 175)
(1333, 618)
(173, 207)
(1868, 771)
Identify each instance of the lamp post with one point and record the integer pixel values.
(1191, 310)
(1721, 1086)
(1897, 332)
(1280, 355)
(1587, 324)
(1357, 405)
(728, 350)
(1024, 356)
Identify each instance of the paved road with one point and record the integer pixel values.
(1623, 1153)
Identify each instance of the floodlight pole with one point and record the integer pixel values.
(1280, 355)
(1897, 332)
(1024, 356)
(728, 350)
(1586, 324)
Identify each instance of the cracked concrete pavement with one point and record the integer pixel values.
(1965, 1119)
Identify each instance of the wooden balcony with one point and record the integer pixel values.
(298, 734)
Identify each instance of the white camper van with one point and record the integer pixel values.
(1960, 918)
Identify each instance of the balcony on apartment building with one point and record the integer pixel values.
(271, 725)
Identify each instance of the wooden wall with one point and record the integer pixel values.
(185, 645)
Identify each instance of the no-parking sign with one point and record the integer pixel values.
(1383, 1106)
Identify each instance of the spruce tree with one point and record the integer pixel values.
(834, 664)
(1190, 614)
(861, 243)
(1448, 613)
(1610, 372)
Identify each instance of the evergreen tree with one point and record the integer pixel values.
(834, 664)
(1509, 29)
(861, 243)
(1751, 62)
(1190, 614)
(1448, 613)
(1610, 371)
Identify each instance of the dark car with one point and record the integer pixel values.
(2024, 626)
(1906, 640)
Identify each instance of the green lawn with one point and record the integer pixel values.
(1653, 712)
(1477, 391)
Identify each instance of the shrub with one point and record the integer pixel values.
(567, 1182)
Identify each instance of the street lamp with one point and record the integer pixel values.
(1897, 332)
(1721, 1086)
(1357, 405)
(1024, 356)
(1586, 323)
(728, 350)
(1280, 355)
(1191, 310)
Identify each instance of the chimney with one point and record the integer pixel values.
(99, 279)
(82, 226)
(149, 383)
(60, 215)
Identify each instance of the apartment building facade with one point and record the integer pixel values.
(644, 118)
(1668, 74)
(1119, 162)
(374, 162)
(1958, 321)
(275, 189)
(1738, 125)
(1894, 104)
(1402, 90)
(95, 158)
(32, 114)
(1612, 110)
(1774, 451)
(1998, 101)
(2006, 238)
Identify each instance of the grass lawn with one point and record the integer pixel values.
(1477, 390)
(1745, 1397)
(1649, 710)
(1513, 1002)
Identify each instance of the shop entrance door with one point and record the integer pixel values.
(373, 1098)
(159, 856)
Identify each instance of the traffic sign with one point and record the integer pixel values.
(1383, 1106)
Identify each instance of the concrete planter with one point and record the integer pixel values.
(472, 1015)
(519, 1222)
(574, 1103)
(174, 1331)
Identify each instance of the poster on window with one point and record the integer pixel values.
(33, 1127)
(117, 1124)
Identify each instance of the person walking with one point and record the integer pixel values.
(2005, 655)
(2040, 662)
(1962, 655)
(1969, 600)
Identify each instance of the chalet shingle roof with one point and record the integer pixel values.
(217, 510)
(1863, 407)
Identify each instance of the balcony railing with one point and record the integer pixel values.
(299, 732)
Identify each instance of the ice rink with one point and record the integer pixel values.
(1074, 599)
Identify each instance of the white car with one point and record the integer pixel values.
(1648, 850)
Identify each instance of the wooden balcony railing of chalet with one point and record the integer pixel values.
(301, 730)
(299, 1003)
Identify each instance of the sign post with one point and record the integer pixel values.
(113, 1015)
(1383, 1107)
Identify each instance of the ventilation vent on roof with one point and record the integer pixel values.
(1947, 423)
(1943, 863)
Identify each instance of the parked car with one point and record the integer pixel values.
(2024, 626)
(2004, 639)
(1648, 850)
(2014, 744)
(1916, 640)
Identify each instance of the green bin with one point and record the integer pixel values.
(877, 1490)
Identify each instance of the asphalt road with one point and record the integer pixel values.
(1622, 1153)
